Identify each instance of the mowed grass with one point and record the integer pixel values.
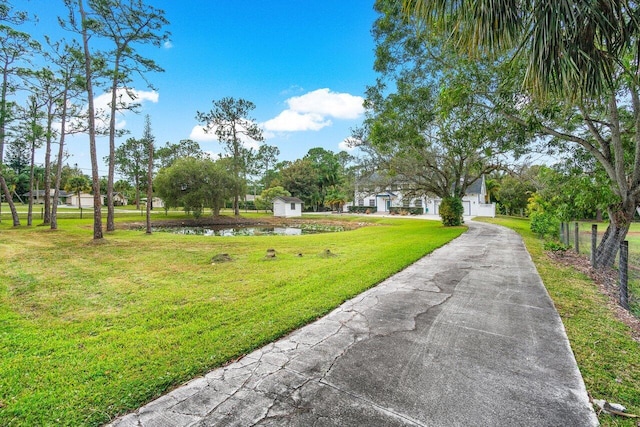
(90, 331)
(607, 355)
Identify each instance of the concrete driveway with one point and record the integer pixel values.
(467, 336)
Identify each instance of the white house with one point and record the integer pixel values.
(85, 201)
(391, 199)
(156, 202)
(39, 195)
(287, 207)
(473, 202)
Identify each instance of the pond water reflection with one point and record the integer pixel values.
(252, 231)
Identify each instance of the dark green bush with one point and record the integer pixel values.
(363, 209)
(405, 211)
(451, 211)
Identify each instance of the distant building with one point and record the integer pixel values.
(39, 196)
(390, 198)
(287, 207)
(85, 200)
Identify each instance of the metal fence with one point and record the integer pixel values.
(583, 237)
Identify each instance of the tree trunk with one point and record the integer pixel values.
(7, 196)
(3, 182)
(620, 220)
(63, 129)
(97, 212)
(149, 186)
(46, 220)
(111, 226)
(137, 183)
(31, 179)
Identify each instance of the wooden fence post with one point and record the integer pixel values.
(594, 243)
(623, 269)
(577, 237)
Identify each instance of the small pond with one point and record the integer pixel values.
(225, 230)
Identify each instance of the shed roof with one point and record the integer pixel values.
(288, 199)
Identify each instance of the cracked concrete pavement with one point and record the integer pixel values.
(466, 336)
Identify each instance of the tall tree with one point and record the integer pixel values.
(266, 159)
(83, 28)
(300, 178)
(169, 153)
(148, 138)
(64, 85)
(327, 169)
(425, 128)
(15, 47)
(34, 133)
(131, 159)
(126, 24)
(229, 120)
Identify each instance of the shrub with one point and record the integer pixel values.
(362, 209)
(555, 246)
(451, 211)
(406, 211)
(544, 224)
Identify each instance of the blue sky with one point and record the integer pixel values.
(305, 64)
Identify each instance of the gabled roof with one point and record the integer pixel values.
(475, 187)
(288, 199)
(41, 193)
(386, 194)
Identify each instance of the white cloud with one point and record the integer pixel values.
(313, 110)
(198, 134)
(126, 98)
(292, 121)
(168, 44)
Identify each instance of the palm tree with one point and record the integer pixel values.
(77, 184)
(335, 199)
(492, 187)
(570, 47)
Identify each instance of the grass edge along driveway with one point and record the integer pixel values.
(90, 331)
(607, 355)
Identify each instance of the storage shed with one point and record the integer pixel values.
(287, 207)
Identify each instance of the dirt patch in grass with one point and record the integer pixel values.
(607, 282)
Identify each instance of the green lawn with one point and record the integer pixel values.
(89, 331)
(607, 356)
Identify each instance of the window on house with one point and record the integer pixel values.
(293, 206)
(360, 202)
(372, 202)
(405, 203)
(418, 203)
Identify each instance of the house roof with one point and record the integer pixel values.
(386, 194)
(475, 187)
(41, 193)
(288, 199)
